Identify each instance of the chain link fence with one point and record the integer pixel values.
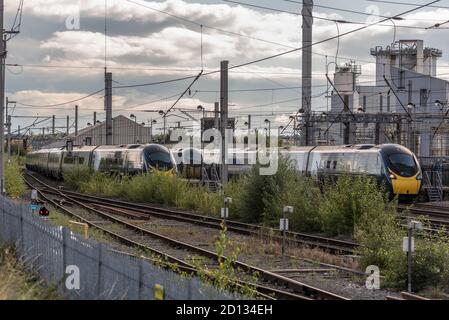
(52, 253)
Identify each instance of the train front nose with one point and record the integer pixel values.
(405, 185)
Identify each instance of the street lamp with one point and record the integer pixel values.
(280, 130)
(135, 126)
(164, 115)
(203, 121)
(440, 104)
(201, 108)
(269, 126)
(151, 129)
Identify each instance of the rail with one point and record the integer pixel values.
(299, 290)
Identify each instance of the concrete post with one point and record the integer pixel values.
(108, 107)
(224, 120)
(307, 9)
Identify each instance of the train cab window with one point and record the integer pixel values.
(158, 158)
(402, 164)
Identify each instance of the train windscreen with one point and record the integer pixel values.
(158, 158)
(403, 164)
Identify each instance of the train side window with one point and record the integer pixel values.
(68, 160)
(328, 165)
(334, 165)
(80, 160)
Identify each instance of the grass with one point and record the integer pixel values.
(14, 184)
(58, 218)
(156, 188)
(356, 208)
(18, 284)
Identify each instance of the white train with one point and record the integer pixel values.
(126, 159)
(390, 164)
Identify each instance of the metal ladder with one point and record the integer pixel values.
(213, 183)
(433, 185)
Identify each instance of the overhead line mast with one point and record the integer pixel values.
(307, 23)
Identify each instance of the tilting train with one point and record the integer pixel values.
(390, 164)
(126, 159)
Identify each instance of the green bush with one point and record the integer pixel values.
(155, 188)
(76, 177)
(383, 247)
(260, 199)
(346, 200)
(14, 184)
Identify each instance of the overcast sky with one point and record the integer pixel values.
(144, 45)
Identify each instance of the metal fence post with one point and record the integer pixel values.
(141, 279)
(2, 227)
(100, 250)
(189, 289)
(22, 233)
(65, 233)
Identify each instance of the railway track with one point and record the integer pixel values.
(406, 296)
(438, 215)
(330, 245)
(284, 287)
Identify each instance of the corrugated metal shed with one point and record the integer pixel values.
(124, 131)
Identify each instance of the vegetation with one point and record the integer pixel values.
(155, 188)
(18, 284)
(14, 184)
(381, 237)
(225, 276)
(348, 207)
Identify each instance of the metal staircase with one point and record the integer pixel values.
(433, 185)
(213, 182)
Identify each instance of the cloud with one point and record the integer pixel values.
(147, 46)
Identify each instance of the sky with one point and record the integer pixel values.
(54, 60)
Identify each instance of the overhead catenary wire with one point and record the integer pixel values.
(285, 52)
(62, 103)
(132, 86)
(407, 4)
(322, 18)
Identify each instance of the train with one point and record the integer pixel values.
(122, 159)
(392, 165)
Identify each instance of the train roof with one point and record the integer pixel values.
(387, 148)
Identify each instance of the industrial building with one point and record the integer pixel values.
(406, 103)
(124, 131)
